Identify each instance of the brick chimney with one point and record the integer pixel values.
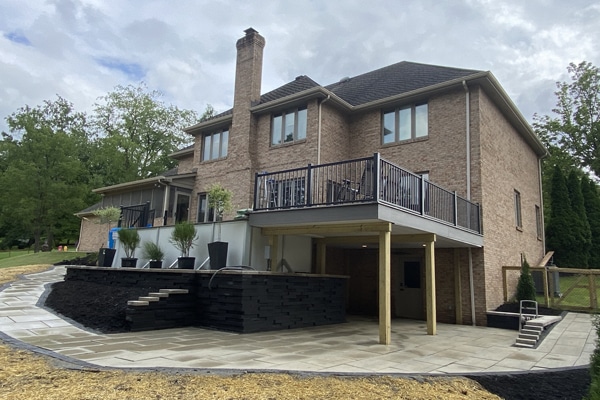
(248, 70)
(243, 131)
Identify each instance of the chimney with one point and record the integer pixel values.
(248, 70)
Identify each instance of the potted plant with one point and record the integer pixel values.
(182, 237)
(154, 253)
(219, 199)
(107, 215)
(130, 239)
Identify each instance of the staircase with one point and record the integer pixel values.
(531, 331)
(155, 296)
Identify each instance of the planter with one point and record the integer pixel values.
(186, 262)
(156, 264)
(128, 262)
(106, 257)
(217, 251)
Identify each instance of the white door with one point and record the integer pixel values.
(409, 289)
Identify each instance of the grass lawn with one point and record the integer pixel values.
(23, 257)
(575, 291)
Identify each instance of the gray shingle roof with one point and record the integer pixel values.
(393, 80)
(300, 84)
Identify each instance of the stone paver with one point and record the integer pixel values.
(342, 348)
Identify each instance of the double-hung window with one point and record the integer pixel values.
(214, 145)
(405, 123)
(288, 126)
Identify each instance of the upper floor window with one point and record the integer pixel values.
(518, 217)
(289, 126)
(405, 123)
(214, 145)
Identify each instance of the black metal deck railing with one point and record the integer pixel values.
(138, 216)
(363, 180)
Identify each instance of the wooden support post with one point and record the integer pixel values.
(546, 290)
(430, 285)
(385, 309)
(593, 296)
(458, 315)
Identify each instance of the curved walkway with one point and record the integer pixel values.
(343, 348)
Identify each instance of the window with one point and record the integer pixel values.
(538, 222)
(405, 123)
(214, 145)
(205, 214)
(289, 126)
(518, 218)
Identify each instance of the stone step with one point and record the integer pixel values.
(158, 294)
(531, 332)
(529, 346)
(527, 336)
(174, 291)
(535, 328)
(148, 298)
(531, 342)
(138, 303)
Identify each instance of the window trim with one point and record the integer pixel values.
(413, 123)
(223, 145)
(295, 138)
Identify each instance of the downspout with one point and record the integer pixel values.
(319, 131)
(542, 222)
(468, 177)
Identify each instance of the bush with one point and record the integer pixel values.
(525, 287)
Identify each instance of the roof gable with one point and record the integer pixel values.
(300, 84)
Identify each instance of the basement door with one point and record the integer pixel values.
(409, 289)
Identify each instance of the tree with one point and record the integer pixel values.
(591, 200)
(43, 179)
(576, 129)
(560, 232)
(137, 133)
(581, 228)
(525, 286)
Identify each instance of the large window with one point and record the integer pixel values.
(286, 193)
(405, 123)
(289, 126)
(518, 217)
(214, 145)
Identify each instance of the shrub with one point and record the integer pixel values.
(525, 287)
(594, 393)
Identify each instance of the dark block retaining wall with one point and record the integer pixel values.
(236, 301)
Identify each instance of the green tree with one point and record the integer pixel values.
(581, 228)
(137, 133)
(560, 230)
(591, 200)
(576, 128)
(525, 286)
(43, 179)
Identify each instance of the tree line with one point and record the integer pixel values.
(570, 172)
(53, 156)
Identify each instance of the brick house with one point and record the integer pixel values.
(419, 182)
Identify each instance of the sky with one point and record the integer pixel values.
(82, 49)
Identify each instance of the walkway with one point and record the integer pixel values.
(344, 348)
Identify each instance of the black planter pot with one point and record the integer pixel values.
(217, 251)
(106, 257)
(156, 264)
(128, 262)
(186, 262)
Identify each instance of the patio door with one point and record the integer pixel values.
(182, 207)
(408, 290)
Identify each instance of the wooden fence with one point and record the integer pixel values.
(562, 288)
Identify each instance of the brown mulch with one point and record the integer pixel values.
(26, 375)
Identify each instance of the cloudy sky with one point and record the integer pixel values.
(82, 49)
